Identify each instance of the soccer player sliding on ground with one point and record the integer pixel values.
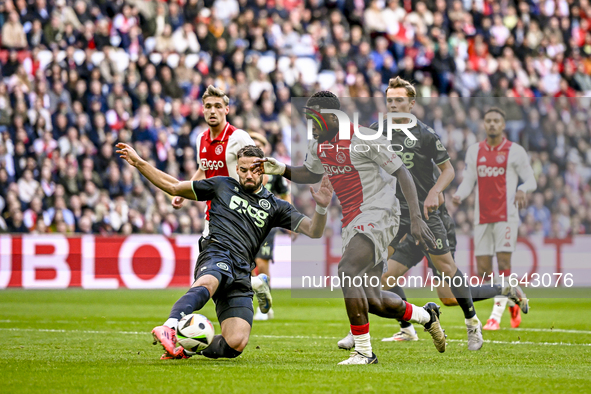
(216, 150)
(496, 165)
(242, 213)
(370, 221)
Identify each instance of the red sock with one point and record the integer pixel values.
(360, 330)
(505, 273)
(408, 312)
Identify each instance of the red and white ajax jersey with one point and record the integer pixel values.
(354, 168)
(219, 156)
(497, 171)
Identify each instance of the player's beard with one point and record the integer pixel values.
(250, 188)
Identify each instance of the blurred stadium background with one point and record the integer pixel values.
(80, 75)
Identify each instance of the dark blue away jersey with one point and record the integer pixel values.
(241, 221)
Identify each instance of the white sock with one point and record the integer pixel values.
(499, 308)
(409, 330)
(172, 323)
(363, 344)
(472, 322)
(255, 282)
(419, 315)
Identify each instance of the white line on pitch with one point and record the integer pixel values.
(560, 330)
(290, 337)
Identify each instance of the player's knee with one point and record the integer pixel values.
(376, 306)
(449, 301)
(238, 341)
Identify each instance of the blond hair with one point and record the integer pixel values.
(398, 82)
(212, 91)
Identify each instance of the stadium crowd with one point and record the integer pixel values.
(77, 76)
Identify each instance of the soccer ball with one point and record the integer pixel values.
(194, 332)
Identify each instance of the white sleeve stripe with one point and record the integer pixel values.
(193, 188)
(298, 225)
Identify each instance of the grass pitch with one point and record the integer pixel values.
(99, 341)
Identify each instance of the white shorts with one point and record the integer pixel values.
(493, 238)
(379, 225)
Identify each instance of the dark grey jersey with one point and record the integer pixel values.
(418, 156)
(241, 221)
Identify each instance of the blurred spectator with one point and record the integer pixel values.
(79, 76)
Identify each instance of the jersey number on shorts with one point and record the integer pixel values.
(439, 243)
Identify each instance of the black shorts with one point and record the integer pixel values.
(267, 247)
(437, 227)
(233, 297)
(409, 254)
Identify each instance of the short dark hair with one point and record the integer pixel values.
(324, 99)
(250, 151)
(497, 110)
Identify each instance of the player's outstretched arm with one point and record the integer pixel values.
(418, 228)
(177, 202)
(270, 166)
(161, 180)
(314, 228)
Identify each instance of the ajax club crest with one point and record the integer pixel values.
(219, 149)
(341, 157)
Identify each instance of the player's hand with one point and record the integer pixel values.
(456, 200)
(324, 194)
(268, 165)
(431, 203)
(128, 154)
(422, 234)
(177, 202)
(520, 199)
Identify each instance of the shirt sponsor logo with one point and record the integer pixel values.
(242, 206)
(335, 170)
(219, 149)
(486, 171)
(212, 164)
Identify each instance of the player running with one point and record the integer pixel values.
(495, 165)
(370, 221)
(408, 255)
(217, 154)
(241, 215)
(419, 156)
(278, 186)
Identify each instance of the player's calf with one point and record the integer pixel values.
(219, 348)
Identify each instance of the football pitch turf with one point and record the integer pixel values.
(99, 341)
